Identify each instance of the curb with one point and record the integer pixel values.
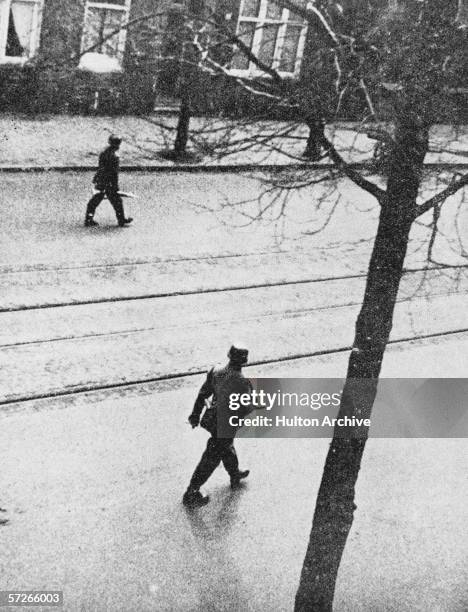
(216, 168)
(240, 167)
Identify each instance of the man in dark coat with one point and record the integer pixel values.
(106, 181)
(220, 383)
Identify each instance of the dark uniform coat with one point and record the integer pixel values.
(219, 384)
(107, 176)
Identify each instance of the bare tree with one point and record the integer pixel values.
(422, 73)
(410, 54)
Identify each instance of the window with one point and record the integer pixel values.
(275, 35)
(101, 19)
(462, 14)
(19, 29)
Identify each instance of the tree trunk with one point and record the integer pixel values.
(335, 506)
(314, 140)
(180, 144)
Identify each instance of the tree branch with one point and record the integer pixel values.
(352, 174)
(442, 196)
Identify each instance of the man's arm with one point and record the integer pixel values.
(116, 171)
(206, 391)
(113, 171)
(99, 178)
(244, 411)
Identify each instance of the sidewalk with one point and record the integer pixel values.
(73, 142)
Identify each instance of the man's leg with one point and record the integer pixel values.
(229, 458)
(209, 461)
(231, 463)
(117, 203)
(91, 208)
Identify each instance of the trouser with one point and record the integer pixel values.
(217, 450)
(113, 198)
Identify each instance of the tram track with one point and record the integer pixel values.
(10, 270)
(137, 330)
(211, 290)
(91, 388)
(146, 262)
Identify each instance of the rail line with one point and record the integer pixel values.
(298, 311)
(209, 290)
(81, 389)
(145, 262)
(6, 270)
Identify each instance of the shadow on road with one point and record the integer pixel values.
(221, 583)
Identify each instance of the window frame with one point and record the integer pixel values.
(35, 36)
(122, 35)
(282, 22)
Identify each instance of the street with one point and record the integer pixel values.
(105, 335)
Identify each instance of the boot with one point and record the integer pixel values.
(194, 498)
(125, 221)
(90, 222)
(236, 480)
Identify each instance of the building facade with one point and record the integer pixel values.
(113, 56)
(122, 55)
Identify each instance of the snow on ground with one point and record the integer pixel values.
(178, 244)
(92, 482)
(178, 216)
(73, 140)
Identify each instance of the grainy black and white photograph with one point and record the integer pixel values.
(233, 306)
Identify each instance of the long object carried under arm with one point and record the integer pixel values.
(122, 194)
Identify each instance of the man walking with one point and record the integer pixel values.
(220, 383)
(106, 181)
